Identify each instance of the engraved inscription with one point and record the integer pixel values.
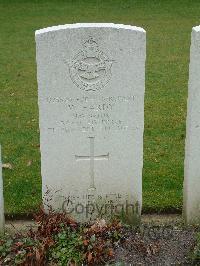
(92, 158)
(92, 203)
(90, 69)
(91, 114)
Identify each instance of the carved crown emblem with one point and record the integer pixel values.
(90, 69)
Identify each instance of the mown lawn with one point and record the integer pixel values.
(168, 25)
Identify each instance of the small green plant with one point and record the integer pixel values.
(5, 246)
(15, 251)
(196, 252)
(68, 247)
(60, 240)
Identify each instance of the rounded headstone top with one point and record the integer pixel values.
(89, 25)
(196, 29)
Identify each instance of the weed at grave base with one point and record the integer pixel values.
(59, 239)
(195, 255)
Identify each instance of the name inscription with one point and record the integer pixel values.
(90, 114)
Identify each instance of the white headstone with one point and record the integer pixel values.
(192, 149)
(2, 219)
(91, 80)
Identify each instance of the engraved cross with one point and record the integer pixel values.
(92, 158)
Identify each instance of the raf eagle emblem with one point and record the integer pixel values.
(90, 69)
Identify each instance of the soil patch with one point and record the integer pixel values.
(156, 245)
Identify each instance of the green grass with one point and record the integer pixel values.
(168, 25)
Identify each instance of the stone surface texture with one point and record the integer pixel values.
(91, 81)
(192, 147)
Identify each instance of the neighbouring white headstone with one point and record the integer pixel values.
(192, 150)
(2, 219)
(91, 80)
